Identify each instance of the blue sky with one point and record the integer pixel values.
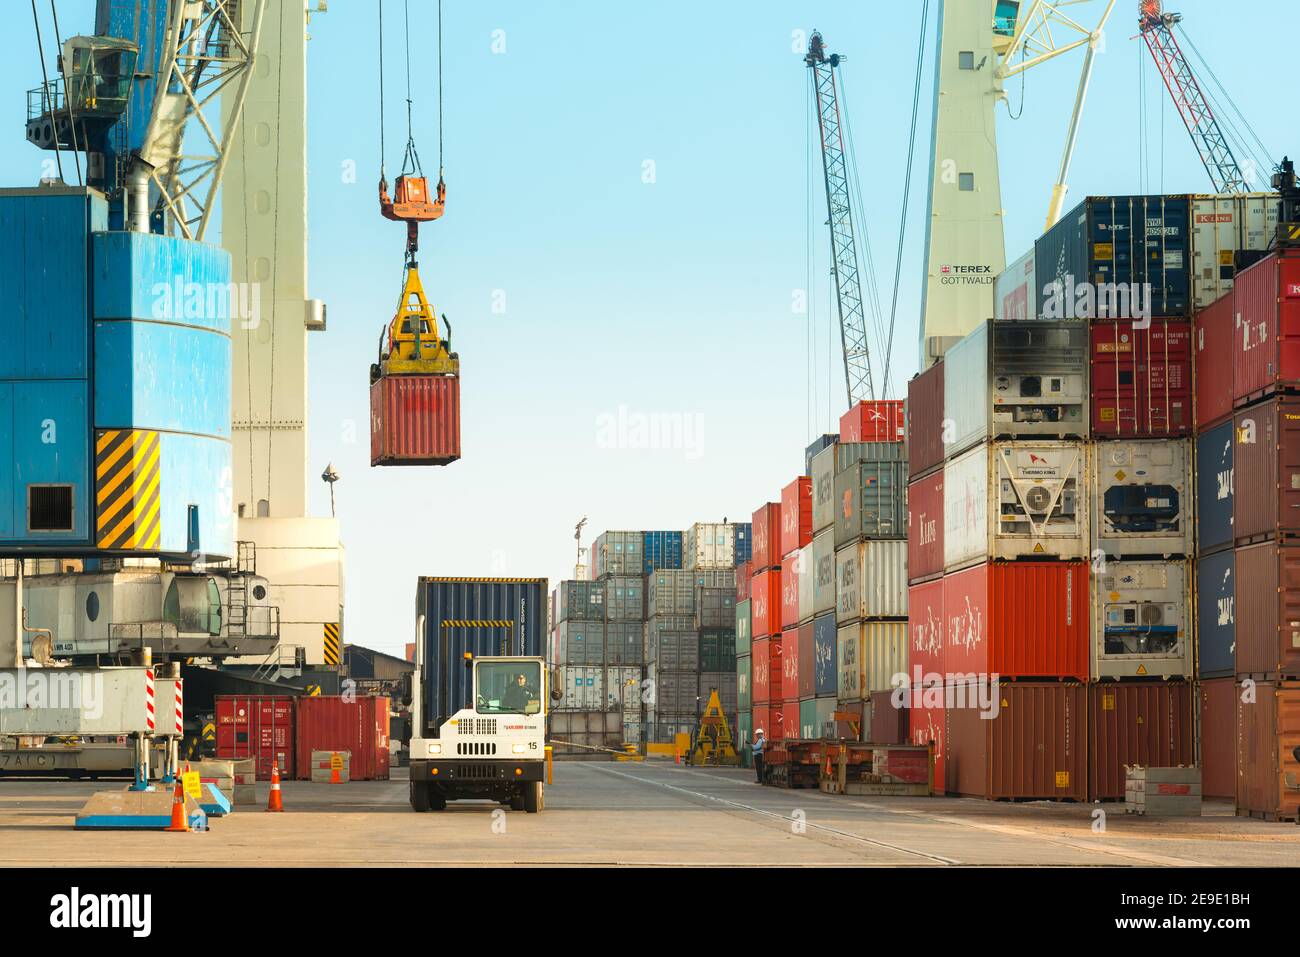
(670, 299)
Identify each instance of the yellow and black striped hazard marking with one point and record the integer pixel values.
(313, 691)
(127, 494)
(470, 623)
(332, 656)
(1292, 232)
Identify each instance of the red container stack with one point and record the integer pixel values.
(925, 528)
(414, 420)
(1147, 724)
(790, 594)
(880, 421)
(766, 537)
(765, 603)
(1217, 699)
(1213, 333)
(925, 421)
(1141, 379)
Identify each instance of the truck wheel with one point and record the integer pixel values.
(437, 800)
(517, 802)
(533, 797)
(420, 796)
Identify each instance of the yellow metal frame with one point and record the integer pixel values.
(713, 742)
(415, 345)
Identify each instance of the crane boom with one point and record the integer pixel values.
(844, 255)
(1207, 136)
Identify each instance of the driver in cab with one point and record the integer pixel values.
(517, 695)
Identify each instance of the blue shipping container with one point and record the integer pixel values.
(825, 665)
(1214, 489)
(1120, 240)
(481, 616)
(661, 550)
(819, 443)
(744, 542)
(1216, 618)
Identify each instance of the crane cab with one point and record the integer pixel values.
(94, 88)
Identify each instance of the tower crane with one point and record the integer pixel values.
(1192, 105)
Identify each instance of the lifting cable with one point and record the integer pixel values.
(45, 88)
(381, 89)
(439, 90)
(67, 100)
(907, 190)
(411, 159)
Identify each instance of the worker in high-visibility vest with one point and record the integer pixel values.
(757, 749)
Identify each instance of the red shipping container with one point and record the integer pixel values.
(925, 421)
(926, 631)
(415, 420)
(1268, 751)
(883, 420)
(925, 528)
(1218, 701)
(1036, 747)
(1147, 723)
(760, 662)
(1141, 379)
(1266, 340)
(788, 655)
(790, 718)
(796, 515)
(806, 670)
(765, 603)
(762, 721)
(257, 726)
(1213, 349)
(790, 594)
(743, 574)
(927, 724)
(1267, 607)
(1017, 620)
(1266, 471)
(334, 723)
(888, 721)
(766, 537)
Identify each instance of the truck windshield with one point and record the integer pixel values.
(509, 687)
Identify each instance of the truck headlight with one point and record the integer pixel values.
(435, 749)
(517, 749)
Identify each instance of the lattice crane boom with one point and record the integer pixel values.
(844, 256)
(1193, 107)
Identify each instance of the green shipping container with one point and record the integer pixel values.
(743, 698)
(717, 649)
(744, 628)
(873, 502)
(814, 714)
(744, 731)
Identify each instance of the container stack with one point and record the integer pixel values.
(796, 601)
(1248, 548)
(859, 511)
(765, 612)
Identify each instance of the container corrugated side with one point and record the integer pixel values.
(1268, 611)
(1015, 293)
(1017, 620)
(767, 536)
(825, 657)
(871, 501)
(744, 628)
(879, 420)
(1035, 748)
(1145, 723)
(1218, 736)
(807, 667)
(335, 723)
(1140, 379)
(822, 573)
(259, 727)
(709, 545)
(925, 421)
(883, 651)
(415, 420)
(1212, 333)
(765, 603)
(926, 629)
(1268, 751)
(823, 488)
(871, 580)
(744, 688)
(790, 573)
(1216, 615)
(660, 549)
(1222, 224)
(1266, 470)
(1215, 488)
(618, 553)
(1266, 343)
(966, 370)
(796, 514)
(850, 675)
(925, 527)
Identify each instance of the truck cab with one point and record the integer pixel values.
(495, 750)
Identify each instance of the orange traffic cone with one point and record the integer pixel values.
(179, 822)
(274, 802)
(334, 774)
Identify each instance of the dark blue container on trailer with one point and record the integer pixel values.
(481, 616)
(1119, 240)
(744, 542)
(1216, 615)
(661, 550)
(1214, 489)
(825, 665)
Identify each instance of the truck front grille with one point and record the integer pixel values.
(476, 747)
(477, 772)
